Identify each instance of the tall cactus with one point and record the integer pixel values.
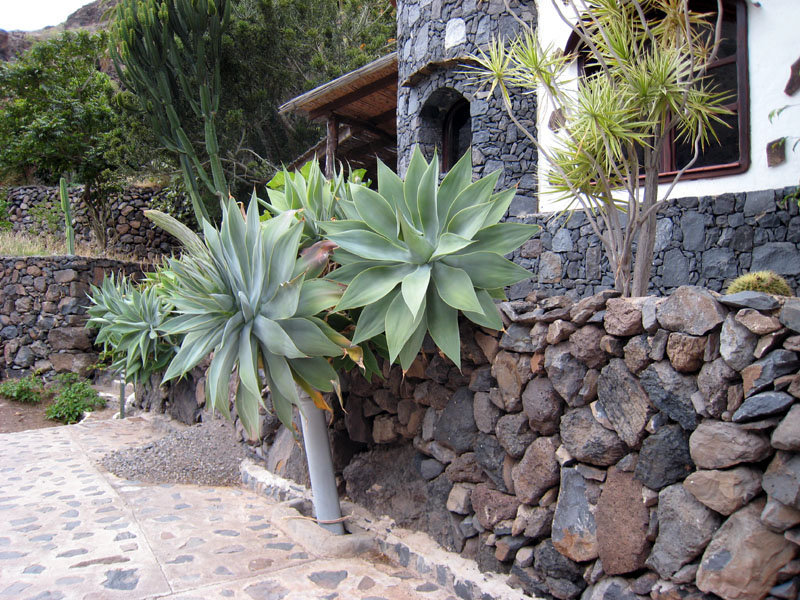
(167, 52)
(65, 206)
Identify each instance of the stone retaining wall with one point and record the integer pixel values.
(43, 312)
(704, 241)
(128, 231)
(609, 448)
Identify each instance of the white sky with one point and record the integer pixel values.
(29, 15)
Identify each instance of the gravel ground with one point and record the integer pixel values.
(204, 454)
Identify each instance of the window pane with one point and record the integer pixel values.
(724, 79)
(724, 152)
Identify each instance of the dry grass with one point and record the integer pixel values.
(25, 244)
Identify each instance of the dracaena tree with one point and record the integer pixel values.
(414, 253)
(648, 83)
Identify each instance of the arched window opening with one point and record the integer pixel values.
(445, 126)
(456, 134)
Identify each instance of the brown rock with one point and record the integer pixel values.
(465, 469)
(488, 345)
(574, 532)
(782, 478)
(427, 393)
(714, 383)
(744, 557)
(492, 506)
(724, 491)
(756, 322)
(778, 516)
(612, 345)
(767, 343)
(582, 311)
(559, 331)
(624, 401)
(537, 364)
(622, 520)
(588, 391)
(787, 434)
(384, 429)
(542, 405)
(735, 398)
(82, 364)
(65, 275)
(538, 470)
(485, 412)
(539, 522)
(716, 445)
(69, 338)
(685, 351)
(690, 309)
(509, 379)
(792, 343)
(585, 346)
(624, 316)
(637, 353)
(565, 372)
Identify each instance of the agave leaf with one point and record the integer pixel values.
(188, 238)
(281, 377)
(375, 211)
(247, 410)
(455, 287)
(315, 371)
(467, 222)
(344, 225)
(420, 248)
(286, 299)
(390, 186)
(316, 397)
(475, 193)
(308, 338)
(416, 169)
(500, 203)
(282, 406)
(502, 238)
(219, 374)
(400, 325)
(489, 316)
(450, 243)
(488, 270)
(426, 201)
(371, 246)
(282, 260)
(455, 182)
(317, 295)
(347, 273)
(248, 361)
(414, 286)
(275, 339)
(372, 285)
(443, 324)
(372, 320)
(409, 352)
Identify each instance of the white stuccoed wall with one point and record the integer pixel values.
(773, 47)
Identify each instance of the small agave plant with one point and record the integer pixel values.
(244, 294)
(415, 253)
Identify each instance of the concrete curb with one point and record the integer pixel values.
(412, 550)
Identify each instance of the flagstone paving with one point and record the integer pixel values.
(71, 530)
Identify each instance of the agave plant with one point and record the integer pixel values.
(244, 294)
(414, 254)
(129, 319)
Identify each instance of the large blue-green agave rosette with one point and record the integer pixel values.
(415, 253)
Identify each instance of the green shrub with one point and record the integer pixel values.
(5, 223)
(27, 390)
(75, 397)
(760, 281)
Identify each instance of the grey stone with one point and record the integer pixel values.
(486, 414)
(685, 527)
(542, 405)
(550, 268)
(736, 343)
(455, 33)
(514, 434)
(759, 202)
(790, 314)
(675, 270)
(670, 392)
(490, 455)
(714, 381)
(719, 263)
(455, 428)
(750, 299)
(565, 372)
(778, 516)
(548, 560)
(780, 257)
(782, 479)
(517, 338)
(574, 532)
(664, 458)
(762, 405)
(744, 557)
(614, 588)
(624, 401)
(691, 310)
(588, 441)
(693, 229)
(121, 579)
(329, 580)
(761, 374)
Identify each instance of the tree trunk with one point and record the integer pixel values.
(646, 236)
(96, 209)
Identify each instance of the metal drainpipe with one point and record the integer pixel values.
(320, 466)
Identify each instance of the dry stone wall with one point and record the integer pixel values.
(128, 231)
(605, 449)
(43, 312)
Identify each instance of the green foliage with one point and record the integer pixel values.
(244, 294)
(415, 253)
(649, 85)
(65, 207)
(47, 215)
(171, 56)
(129, 319)
(5, 223)
(26, 389)
(75, 396)
(760, 281)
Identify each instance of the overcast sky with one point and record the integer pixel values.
(29, 15)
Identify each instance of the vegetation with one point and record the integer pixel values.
(414, 253)
(760, 281)
(65, 207)
(27, 390)
(58, 118)
(75, 396)
(646, 83)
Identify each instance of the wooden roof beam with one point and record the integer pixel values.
(353, 96)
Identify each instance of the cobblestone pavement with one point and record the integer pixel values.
(71, 530)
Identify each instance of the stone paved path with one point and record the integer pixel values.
(70, 530)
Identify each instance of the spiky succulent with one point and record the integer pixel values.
(760, 281)
(415, 253)
(129, 319)
(244, 294)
